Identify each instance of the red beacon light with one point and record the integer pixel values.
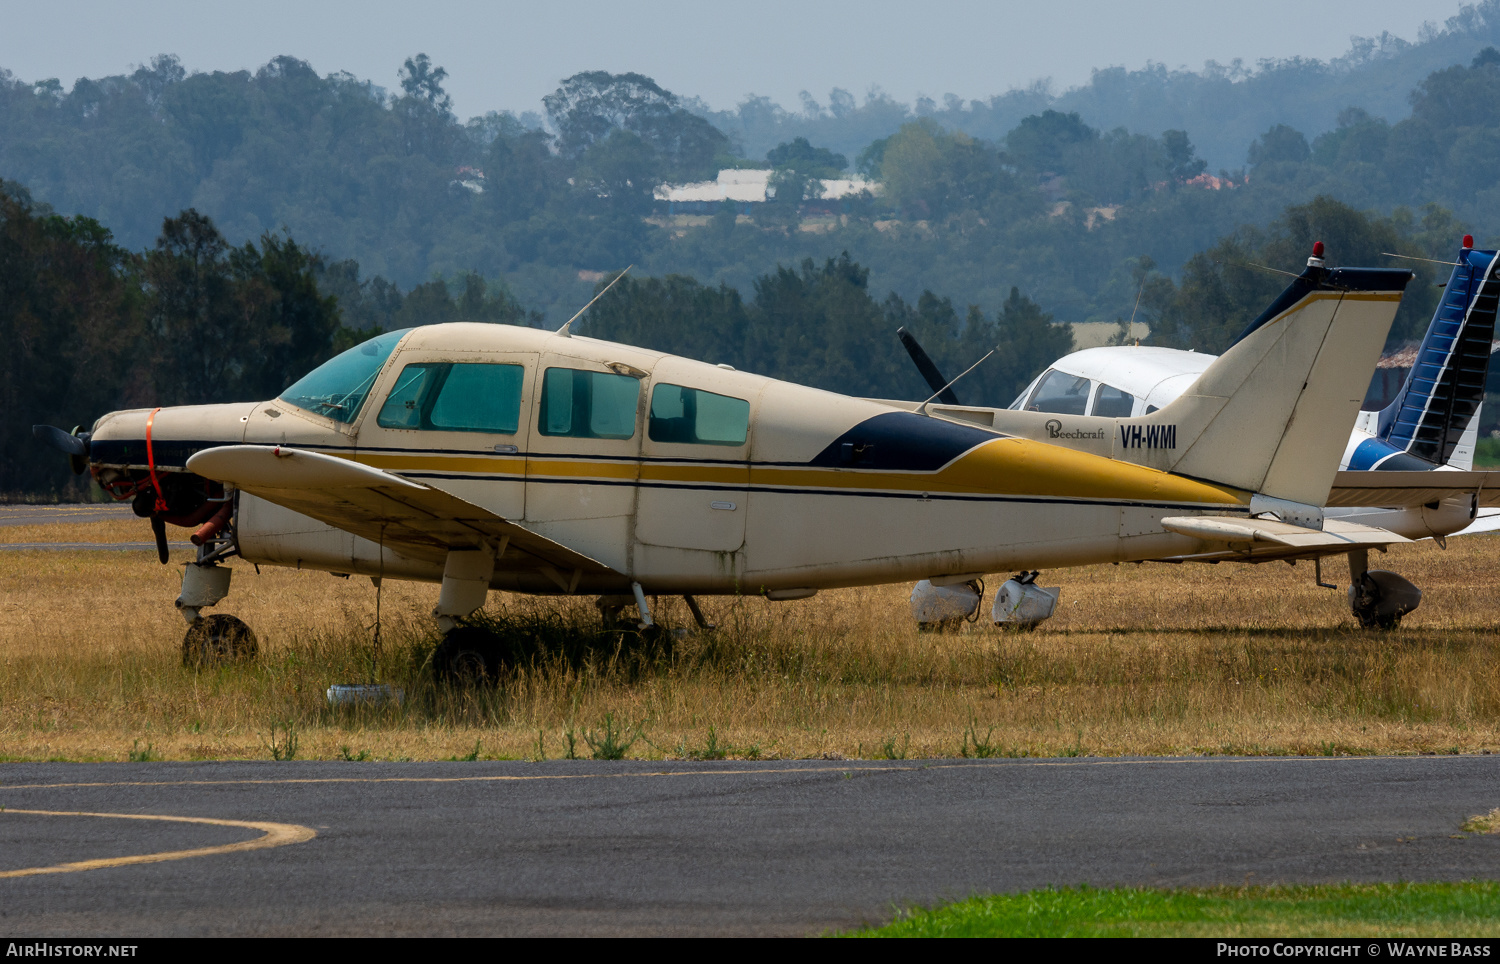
(1468, 241)
(1316, 261)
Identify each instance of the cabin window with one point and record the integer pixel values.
(1061, 393)
(1112, 402)
(580, 404)
(338, 387)
(696, 417)
(448, 397)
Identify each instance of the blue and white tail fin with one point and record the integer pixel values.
(1424, 426)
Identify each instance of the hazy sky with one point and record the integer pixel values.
(507, 55)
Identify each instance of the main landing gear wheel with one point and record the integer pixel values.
(1380, 598)
(1377, 597)
(466, 656)
(217, 639)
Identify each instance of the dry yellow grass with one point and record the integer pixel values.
(1484, 822)
(1140, 660)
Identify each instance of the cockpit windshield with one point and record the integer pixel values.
(338, 387)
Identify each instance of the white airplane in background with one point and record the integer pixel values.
(1431, 425)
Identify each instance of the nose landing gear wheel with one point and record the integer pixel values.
(217, 639)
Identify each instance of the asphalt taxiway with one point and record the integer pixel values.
(67, 513)
(800, 847)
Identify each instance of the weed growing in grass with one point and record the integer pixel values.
(146, 754)
(349, 757)
(613, 743)
(711, 750)
(889, 750)
(975, 748)
(284, 747)
(469, 757)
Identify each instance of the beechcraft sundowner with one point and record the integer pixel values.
(483, 456)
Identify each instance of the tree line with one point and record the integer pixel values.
(90, 326)
(1056, 196)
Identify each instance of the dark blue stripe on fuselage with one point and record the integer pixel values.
(165, 452)
(897, 441)
(901, 441)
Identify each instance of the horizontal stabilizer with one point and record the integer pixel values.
(1335, 536)
(1402, 489)
(414, 519)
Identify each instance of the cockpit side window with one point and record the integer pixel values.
(455, 397)
(1060, 393)
(583, 404)
(696, 417)
(338, 387)
(1112, 402)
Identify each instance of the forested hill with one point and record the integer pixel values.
(1224, 107)
(390, 188)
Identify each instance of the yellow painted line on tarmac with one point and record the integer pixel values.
(275, 835)
(848, 767)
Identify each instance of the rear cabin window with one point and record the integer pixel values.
(449, 397)
(580, 404)
(1112, 402)
(1061, 393)
(696, 417)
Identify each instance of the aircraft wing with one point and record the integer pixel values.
(1260, 540)
(1398, 489)
(413, 519)
(1486, 520)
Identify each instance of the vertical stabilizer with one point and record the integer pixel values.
(1440, 399)
(1273, 413)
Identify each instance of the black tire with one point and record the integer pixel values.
(467, 656)
(217, 639)
(1367, 605)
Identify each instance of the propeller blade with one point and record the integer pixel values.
(929, 371)
(159, 530)
(60, 440)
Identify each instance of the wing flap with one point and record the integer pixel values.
(414, 519)
(1336, 535)
(1402, 489)
(1256, 540)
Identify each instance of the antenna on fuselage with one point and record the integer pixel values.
(563, 331)
(1130, 325)
(922, 409)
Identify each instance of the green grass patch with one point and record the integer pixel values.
(1469, 909)
(1487, 453)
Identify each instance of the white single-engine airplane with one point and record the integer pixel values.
(1431, 424)
(484, 456)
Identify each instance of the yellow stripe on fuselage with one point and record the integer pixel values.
(414, 462)
(1004, 466)
(1015, 466)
